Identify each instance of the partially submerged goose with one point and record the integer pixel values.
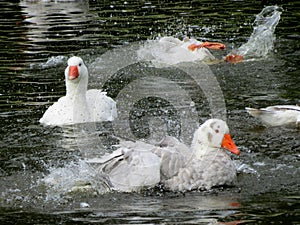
(175, 51)
(170, 50)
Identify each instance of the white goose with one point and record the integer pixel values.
(277, 115)
(179, 167)
(79, 105)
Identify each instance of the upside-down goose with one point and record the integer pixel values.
(170, 51)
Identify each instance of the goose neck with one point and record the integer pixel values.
(76, 90)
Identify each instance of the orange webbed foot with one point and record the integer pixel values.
(208, 45)
(233, 58)
(213, 45)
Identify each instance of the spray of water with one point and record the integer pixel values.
(261, 41)
(74, 178)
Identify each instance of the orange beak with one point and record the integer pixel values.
(209, 45)
(73, 72)
(228, 144)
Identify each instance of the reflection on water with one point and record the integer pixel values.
(47, 21)
(32, 32)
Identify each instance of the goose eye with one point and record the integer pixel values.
(79, 64)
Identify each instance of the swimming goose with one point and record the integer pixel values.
(79, 105)
(277, 115)
(178, 167)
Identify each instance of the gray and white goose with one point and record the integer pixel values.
(178, 167)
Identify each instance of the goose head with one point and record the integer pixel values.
(76, 76)
(213, 135)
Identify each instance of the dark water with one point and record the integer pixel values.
(37, 38)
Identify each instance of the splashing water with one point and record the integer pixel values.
(74, 178)
(261, 41)
(51, 62)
